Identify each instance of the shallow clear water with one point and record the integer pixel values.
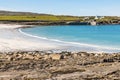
(104, 35)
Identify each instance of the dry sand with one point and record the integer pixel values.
(12, 40)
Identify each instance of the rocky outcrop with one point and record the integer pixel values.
(39, 65)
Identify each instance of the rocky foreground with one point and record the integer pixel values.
(60, 66)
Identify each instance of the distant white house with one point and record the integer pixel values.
(99, 17)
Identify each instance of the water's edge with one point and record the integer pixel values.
(72, 43)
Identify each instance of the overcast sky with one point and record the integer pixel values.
(64, 7)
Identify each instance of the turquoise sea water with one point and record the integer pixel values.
(103, 35)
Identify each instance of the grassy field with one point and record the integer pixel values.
(41, 17)
(29, 16)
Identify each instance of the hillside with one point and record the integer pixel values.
(12, 13)
(8, 15)
(30, 18)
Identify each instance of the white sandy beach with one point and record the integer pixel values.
(13, 40)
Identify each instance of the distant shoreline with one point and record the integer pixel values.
(29, 18)
(44, 23)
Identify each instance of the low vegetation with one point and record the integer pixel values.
(40, 17)
(28, 16)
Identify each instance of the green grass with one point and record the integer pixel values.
(50, 18)
(43, 17)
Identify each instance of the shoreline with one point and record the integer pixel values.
(70, 43)
(76, 43)
(28, 43)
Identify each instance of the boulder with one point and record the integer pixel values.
(28, 56)
(46, 57)
(75, 55)
(10, 58)
(56, 56)
(84, 54)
